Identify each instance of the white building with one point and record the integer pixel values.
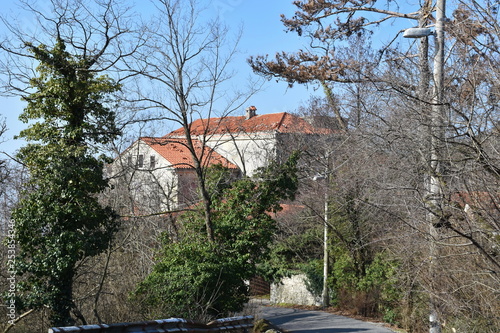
(251, 141)
(160, 171)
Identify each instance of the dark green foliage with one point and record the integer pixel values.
(291, 252)
(193, 279)
(199, 279)
(59, 220)
(314, 274)
(374, 293)
(361, 274)
(218, 179)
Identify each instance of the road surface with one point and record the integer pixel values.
(304, 321)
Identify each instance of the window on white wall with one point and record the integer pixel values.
(152, 162)
(140, 161)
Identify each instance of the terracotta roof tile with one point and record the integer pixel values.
(485, 200)
(177, 153)
(276, 122)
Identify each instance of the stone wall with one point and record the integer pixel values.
(292, 290)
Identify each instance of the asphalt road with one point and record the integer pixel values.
(303, 321)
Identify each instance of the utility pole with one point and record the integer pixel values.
(325, 298)
(435, 190)
(437, 123)
(324, 294)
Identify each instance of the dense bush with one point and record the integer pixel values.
(193, 279)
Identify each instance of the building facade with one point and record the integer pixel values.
(160, 171)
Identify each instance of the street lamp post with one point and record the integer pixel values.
(437, 126)
(325, 298)
(324, 294)
(437, 122)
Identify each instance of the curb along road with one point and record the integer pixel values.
(305, 321)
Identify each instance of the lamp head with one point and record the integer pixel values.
(417, 32)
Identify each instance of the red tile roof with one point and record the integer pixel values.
(276, 122)
(177, 153)
(288, 210)
(485, 200)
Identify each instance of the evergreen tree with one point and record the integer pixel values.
(59, 220)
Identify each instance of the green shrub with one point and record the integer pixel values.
(314, 273)
(374, 293)
(193, 279)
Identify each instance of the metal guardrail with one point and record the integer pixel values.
(234, 324)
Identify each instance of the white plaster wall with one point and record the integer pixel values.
(153, 187)
(292, 290)
(248, 151)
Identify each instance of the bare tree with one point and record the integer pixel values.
(400, 133)
(185, 75)
(3, 167)
(102, 32)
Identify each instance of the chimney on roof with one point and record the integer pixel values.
(251, 111)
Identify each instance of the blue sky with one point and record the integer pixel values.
(263, 33)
